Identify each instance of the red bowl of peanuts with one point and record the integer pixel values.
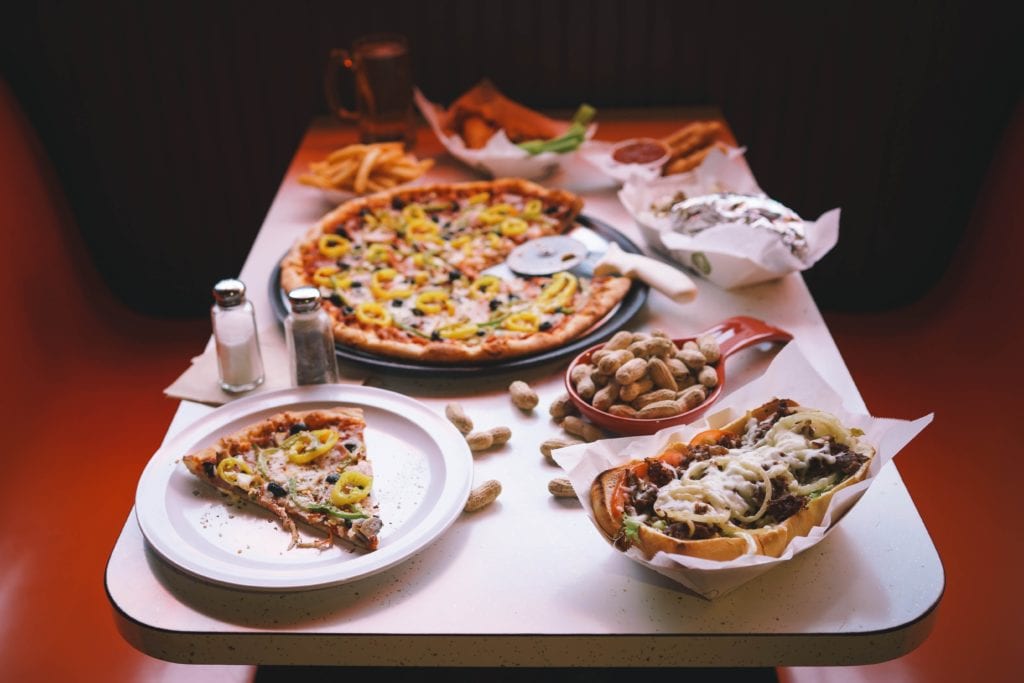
(638, 383)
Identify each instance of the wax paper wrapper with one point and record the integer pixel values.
(730, 255)
(499, 158)
(789, 376)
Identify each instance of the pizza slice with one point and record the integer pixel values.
(311, 466)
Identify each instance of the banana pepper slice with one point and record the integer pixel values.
(228, 469)
(333, 246)
(383, 276)
(378, 252)
(423, 230)
(434, 301)
(511, 227)
(351, 487)
(307, 446)
(558, 292)
(413, 212)
(485, 286)
(372, 313)
(458, 331)
(524, 321)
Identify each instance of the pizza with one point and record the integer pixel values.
(309, 466)
(403, 273)
(750, 487)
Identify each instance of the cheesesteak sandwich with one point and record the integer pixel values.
(750, 487)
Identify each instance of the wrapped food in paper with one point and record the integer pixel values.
(790, 375)
(717, 222)
(484, 129)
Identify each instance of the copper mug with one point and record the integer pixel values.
(382, 70)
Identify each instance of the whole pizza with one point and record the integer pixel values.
(403, 273)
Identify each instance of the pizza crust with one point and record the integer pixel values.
(770, 540)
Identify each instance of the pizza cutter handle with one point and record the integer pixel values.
(667, 279)
(740, 332)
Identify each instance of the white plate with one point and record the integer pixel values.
(423, 471)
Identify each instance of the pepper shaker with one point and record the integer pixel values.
(310, 341)
(239, 362)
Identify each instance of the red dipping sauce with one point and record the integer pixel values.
(640, 152)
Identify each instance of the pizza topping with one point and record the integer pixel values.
(433, 302)
(306, 447)
(351, 487)
(277, 490)
(235, 471)
(458, 331)
(524, 321)
(558, 292)
(372, 313)
(381, 285)
(333, 246)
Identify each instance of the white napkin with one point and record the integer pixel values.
(199, 382)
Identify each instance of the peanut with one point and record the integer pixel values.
(480, 441)
(523, 395)
(613, 361)
(691, 345)
(597, 356)
(659, 409)
(600, 378)
(579, 372)
(554, 444)
(457, 416)
(708, 345)
(631, 371)
(606, 396)
(708, 377)
(483, 495)
(678, 368)
(586, 387)
(629, 392)
(584, 430)
(561, 407)
(499, 435)
(693, 358)
(622, 410)
(561, 488)
(692, 397)
(653, 397)
(619, 340)
(661, 374)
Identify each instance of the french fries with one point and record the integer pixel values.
(691, 143)
(365, 168)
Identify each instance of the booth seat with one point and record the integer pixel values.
(82, 397)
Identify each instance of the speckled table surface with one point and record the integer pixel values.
(528, 581)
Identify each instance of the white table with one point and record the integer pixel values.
(529, 581)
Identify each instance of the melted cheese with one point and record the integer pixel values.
(726, 488)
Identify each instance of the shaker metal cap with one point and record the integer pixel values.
(304, 299)
(229, 292)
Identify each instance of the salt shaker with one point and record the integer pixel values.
(310, 341)
(234, 332)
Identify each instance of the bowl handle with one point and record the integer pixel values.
(740, 332)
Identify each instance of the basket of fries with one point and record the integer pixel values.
(362, 169)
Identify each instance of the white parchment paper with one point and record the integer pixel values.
(731, 256)
(789, 376)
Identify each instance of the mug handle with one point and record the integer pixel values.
(338, 60)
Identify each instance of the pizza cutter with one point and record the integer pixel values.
(584, 252)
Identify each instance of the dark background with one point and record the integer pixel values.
(171, 123)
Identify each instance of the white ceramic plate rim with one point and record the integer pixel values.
(156, 525)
